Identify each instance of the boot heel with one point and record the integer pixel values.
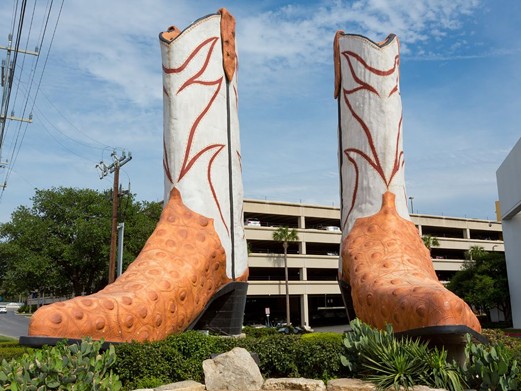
(345, 289)
(224, 313)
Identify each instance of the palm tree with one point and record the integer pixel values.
(284, 235)
(475, 253)
(430, 241)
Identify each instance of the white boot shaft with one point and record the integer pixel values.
(370, 126)
(201, 131)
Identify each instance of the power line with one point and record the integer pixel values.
(101, 145)
(20, 135)
(10, 68)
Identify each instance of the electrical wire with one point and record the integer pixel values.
(7, 93)
(17, 147)
(23, 57)
(101, 145)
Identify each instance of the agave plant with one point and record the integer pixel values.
(392, 362)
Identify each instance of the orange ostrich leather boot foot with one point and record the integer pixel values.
(163, 291)
(392, 278)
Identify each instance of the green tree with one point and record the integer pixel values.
(483, 282)
(285, 235)
(60, 245)
(430, 241)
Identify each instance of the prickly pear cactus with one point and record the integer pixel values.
(63, 367)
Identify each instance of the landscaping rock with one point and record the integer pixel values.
(299, 384)
(187, 385)
(350, 385)
(360, 385)
(234, 370)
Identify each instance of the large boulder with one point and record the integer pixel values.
(234, 370)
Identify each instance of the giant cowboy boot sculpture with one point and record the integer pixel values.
(386, 272)
(192, 271)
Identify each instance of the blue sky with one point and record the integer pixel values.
(460, 83)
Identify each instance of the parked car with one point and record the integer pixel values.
(14, 306)
(252, 222)
(3, 310)
(332, 228)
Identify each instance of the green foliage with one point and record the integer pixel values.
(146, 360)
(442, 373)
(4, 339)
(10, 350)
(483, 282)
(60, 245)
(63, 367)
(393, 363)
(180, 357)
(318, 356)
(147, 382)
(277, 355)
(194, 348)
(490, 367)
(257, 333)
(430, 241)
(27, 309)
(285, 235)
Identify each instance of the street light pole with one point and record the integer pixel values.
(412, 207)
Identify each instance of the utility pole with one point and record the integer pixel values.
(105, 170)
(6, 82)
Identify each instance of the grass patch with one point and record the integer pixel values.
(7, 339)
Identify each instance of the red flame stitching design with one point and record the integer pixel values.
(187, 161)
(373, 160)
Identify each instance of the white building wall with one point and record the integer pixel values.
(509, 188)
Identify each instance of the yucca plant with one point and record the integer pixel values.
(392, 362)
(442, 373)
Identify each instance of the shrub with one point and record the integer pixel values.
(257, 333)
(180, 357)
(4, 339)
(27, 309)
(11, 351)
(63, 367)
(146, 360)
(147, 382)
(318, 356)
(276, 354)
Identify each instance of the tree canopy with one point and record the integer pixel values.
(60, 245)
(430, 241)
(483, 282)
(284, 235)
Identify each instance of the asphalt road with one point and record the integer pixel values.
(13, 325)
